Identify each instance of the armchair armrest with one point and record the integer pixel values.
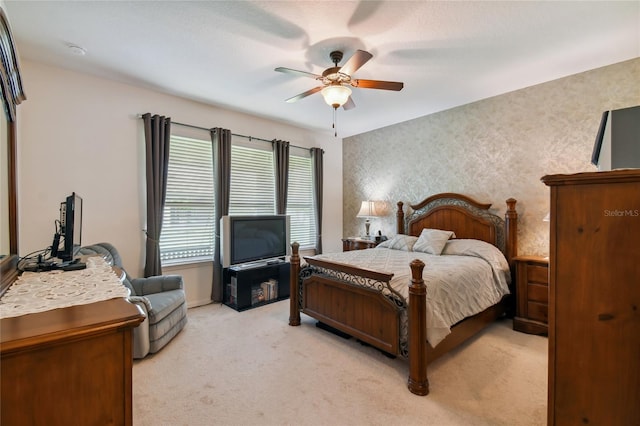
(158, 284)
(141, 333)
(141, 301)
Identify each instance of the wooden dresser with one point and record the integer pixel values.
(594, 299)
(69, 366)
(532, 281)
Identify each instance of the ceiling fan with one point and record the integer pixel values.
(336, 80)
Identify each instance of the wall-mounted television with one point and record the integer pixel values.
(617, 144)
(246, 239)
(600, 140)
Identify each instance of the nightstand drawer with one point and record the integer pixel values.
(537, 274)
(355, 243)
(537, 292)
(537, 311)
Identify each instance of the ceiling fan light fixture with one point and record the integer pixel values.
(336, 95)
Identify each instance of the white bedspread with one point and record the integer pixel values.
(458, 285)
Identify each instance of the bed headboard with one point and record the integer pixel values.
(464, 216)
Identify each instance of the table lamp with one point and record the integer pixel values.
(367, 210)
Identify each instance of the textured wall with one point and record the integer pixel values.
(490, 150)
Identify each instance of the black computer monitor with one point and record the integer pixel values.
(69, 236)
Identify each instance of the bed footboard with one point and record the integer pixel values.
(359, 312)
(362, 312)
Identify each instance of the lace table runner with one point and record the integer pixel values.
(42, 291)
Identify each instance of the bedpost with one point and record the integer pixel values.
(511, 230)
(400, 219)
(418, 382)
(294, 294)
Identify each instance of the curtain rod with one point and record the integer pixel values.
(232, 134)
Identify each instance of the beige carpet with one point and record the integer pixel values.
(252, 368)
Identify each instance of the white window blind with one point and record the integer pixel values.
(300, 204)
(252, 179)
(188, 225)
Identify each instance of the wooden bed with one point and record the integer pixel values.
(333, 293)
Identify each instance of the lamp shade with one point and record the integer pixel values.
(336, 95)
(368, 209)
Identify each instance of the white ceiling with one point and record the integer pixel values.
(224, 53)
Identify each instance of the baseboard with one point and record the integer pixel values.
(196, 303)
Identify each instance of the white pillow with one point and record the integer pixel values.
(432, 241)
(399, 242)
(481, 249)
(477, 248)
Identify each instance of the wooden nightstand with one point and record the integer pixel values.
(358, 243)
(532, 293)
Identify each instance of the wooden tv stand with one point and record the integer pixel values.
(69, 366)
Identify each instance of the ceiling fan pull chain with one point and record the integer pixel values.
(335, 127)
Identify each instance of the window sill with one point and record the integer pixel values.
(185, 263)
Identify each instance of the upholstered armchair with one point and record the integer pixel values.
(161, 298)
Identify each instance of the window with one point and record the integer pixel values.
(300, 204)
(252, 179)
(189, 227)
(188, 224)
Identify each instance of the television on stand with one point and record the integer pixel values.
(254, 239)
(68, 237)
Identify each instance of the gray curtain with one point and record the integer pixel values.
(316, 156)
(221, 145)
(157, 133)
(281, 164)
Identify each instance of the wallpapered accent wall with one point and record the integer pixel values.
(491, 150)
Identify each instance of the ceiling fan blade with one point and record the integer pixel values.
(304, 94)
(377, 84)
(349, 104)
(296, 72)
(357, 60)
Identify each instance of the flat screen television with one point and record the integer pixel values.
(246, 239)
(68, 237)
(617, 144)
